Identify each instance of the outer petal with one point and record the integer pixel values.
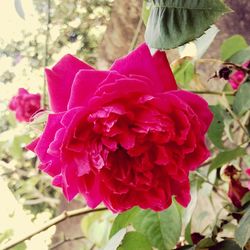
(156, 68)
(53, 124)
(60, 79)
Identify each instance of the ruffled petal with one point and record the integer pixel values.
(198, 105)
(60, 79)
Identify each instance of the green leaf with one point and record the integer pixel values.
(6, 235)
(226, 245)
(163, 229)
(216, 128)
(188, 247)
(242, 101)
(135, 241)
(175, 22)
(183, 70)
(242, 233)
(116, 240)
(188, 212)
(146, 7)
(188, 233)
(123, 220)
(96, 226)
(232, 45)
(205, 243)
(19, 8)
(225, 157)
(20, 246)
(241, 56)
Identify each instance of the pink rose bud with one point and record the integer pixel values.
(25, 105)
(125, 136)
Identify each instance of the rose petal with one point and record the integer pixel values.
(198, 105)
(84, 86)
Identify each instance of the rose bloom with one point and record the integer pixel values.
(238, 77)
(25, 104)
(126, 136)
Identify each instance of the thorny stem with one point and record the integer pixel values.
(65, 215)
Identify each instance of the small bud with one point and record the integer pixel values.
(225, 73)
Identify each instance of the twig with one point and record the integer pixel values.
(215, 188)
(227, 106)
(46, 51)
(66, 240)
(207, 92)
(136, 35)
(65, 215)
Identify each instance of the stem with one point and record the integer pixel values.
(207, 92)
(65, 215)
(136, 35)
(227, 106)
(216, 189)
(46, 51)
(66, 240)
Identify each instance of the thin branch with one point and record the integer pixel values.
(66, 240)
(235, 117)
(136, 35)
(207, 92)
(220, 192)
(65, 215)
(46, 50)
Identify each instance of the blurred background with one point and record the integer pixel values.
(35, 34)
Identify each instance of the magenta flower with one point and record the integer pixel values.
(25, 104)
(126, 136)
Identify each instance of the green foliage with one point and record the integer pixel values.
(19, 8)
(217, 127)
(226, 157)
(146, 10)
(232, 45)
(116, 240)
(241, 56)
(96, 227)
(226, 245)
(135, 241)
(124, 219)
(242, 233)
(184, 71)
(242, 101)
(175, 22)
(163, 229)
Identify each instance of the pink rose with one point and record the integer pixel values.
(126, 136)
(25, 104)
(238, 77)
